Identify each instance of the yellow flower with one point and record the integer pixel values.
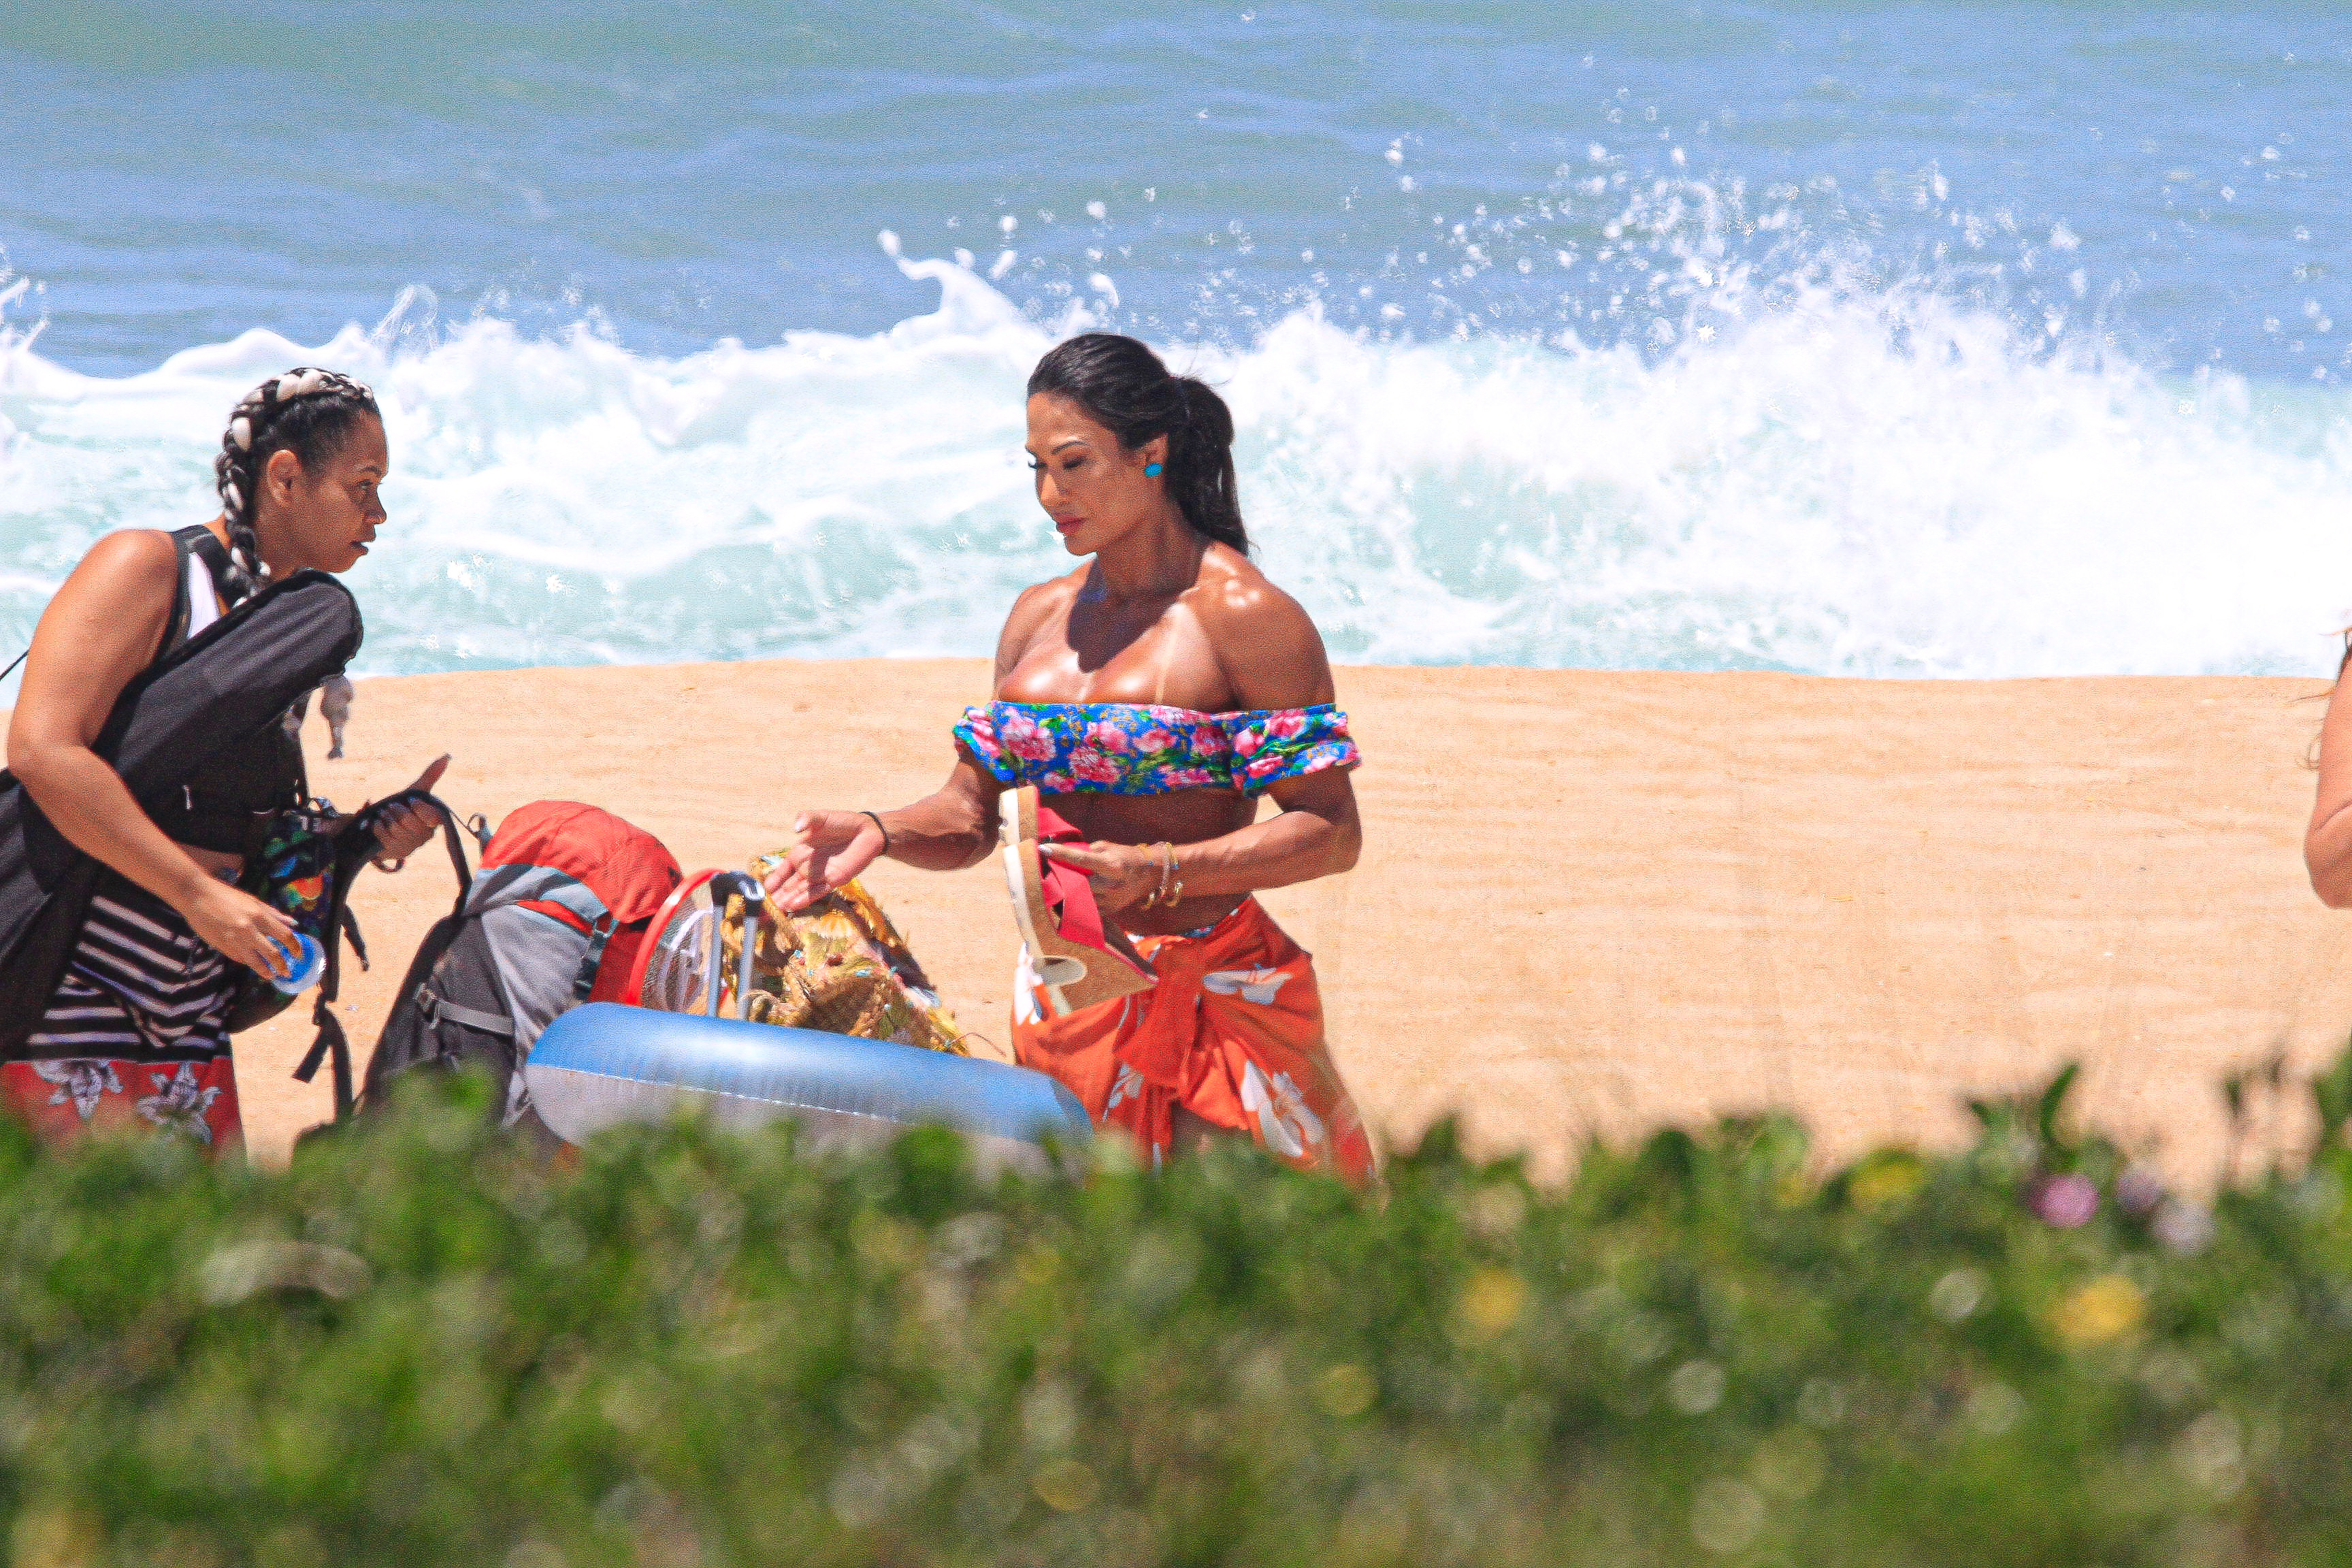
(2106, 1308)
(1492, 1301)
(1067, 1486)
(1344, 1391)
(1888, 1177)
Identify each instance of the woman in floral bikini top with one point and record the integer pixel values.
(1156, 693)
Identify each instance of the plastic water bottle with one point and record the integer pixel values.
(305, 962)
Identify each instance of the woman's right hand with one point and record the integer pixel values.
(834, 847)
(243, 929)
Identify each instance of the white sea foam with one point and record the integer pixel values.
(1830, 479)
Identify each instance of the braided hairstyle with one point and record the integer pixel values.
(1125, 388)
(308, 412)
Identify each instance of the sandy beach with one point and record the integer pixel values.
(1589, 902)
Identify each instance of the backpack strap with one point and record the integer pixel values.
(453, 836)
(434, 1007)
(599, 934)
(358, 843)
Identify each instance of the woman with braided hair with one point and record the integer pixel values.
(1153, 696)
(134, 1034)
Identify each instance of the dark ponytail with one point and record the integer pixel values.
(308, 412)
(1123, 387)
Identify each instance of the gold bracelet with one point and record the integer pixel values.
(1159, 895)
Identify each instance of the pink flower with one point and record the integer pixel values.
(1156, 739)
(1095, 768)
(1208, 740)
(2066, 1202)
(1056, 783)
(1187, 778)
(1283, 726)
(1108, 738)
(1269, 763)
(1024, 739)
(1247, 743)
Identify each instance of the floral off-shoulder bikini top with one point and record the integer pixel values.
(1130, 747)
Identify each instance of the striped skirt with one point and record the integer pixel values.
(134, 1036)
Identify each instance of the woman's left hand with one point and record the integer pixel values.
(1124, 875)
(410, 825)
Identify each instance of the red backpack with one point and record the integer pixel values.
(553, 917)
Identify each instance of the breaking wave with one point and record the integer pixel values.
(1826, 475)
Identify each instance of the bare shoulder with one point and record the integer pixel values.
(128, 571)
(138, 554)
(1265, 639)
(96, 633)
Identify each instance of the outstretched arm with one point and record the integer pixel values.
(950, 829)
(98, 633)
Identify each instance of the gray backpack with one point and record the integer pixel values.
(553, 917)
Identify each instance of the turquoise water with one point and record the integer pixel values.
(1920, 340)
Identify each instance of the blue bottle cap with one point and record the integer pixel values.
(309, 959)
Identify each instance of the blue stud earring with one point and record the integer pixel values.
(1150, 470)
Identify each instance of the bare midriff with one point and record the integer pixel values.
(1185, 816)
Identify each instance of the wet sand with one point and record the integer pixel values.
(1588, 903)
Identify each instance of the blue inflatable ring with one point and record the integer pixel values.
(605, 1064)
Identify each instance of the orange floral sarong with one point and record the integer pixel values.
(1232, 1032)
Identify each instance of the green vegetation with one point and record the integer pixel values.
(418, 1347)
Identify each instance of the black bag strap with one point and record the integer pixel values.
(355, 844)
(197, 541)
(206, 546)
(453, 835)
(330, 1040)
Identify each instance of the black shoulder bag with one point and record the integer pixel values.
(214, 692)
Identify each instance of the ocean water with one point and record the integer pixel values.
(1936, 339)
